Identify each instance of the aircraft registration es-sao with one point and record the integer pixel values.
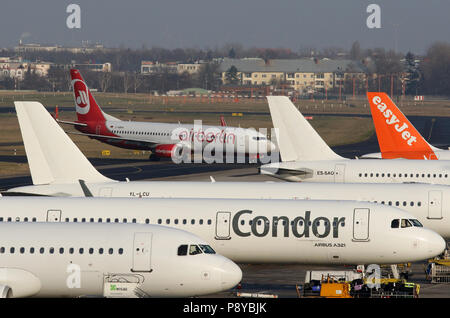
(397, 137)
(306, 157)
(115, 260)
(257, 231)
(167, 140)
(59, 168)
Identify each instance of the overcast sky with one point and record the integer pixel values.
(405, 24)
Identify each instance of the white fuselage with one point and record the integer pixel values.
(439, 154)
(255, 231)
(362, 171)
(78, 259)
(236, 140)
(429, 203)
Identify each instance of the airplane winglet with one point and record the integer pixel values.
(52, 155)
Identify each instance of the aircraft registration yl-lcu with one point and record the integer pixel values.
(163, 139)
(114, 260)
(256, 231)
(306, 157)
(397, 137)
(59, 168)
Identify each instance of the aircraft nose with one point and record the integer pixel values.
(231, 274)
(434, 243)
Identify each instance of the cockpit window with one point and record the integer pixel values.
(182, 250)
(194, 250)
(406, 223)
(416, 223)
(395, 224)
(207, 249)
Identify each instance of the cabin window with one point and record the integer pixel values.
(419, 203)
(31, 250)
(71, 250)
(184, 221)
(110, 251)
(22, 250)
(390, 202)
(42, 250)
(147, 221)
(12, 250)
(134, 220)
(61, 250)
(91, 220)
(124, 220)
(388, 175)
(412, 203)
(2, 250)
(193, 221)
(167, 221)
(397, 203)
(360, 175)
(159, 221)
(100, 250)
(83, 220)
(209, 222)
(176, 221)
(91, 251)
(81, 250)
(120, 251)
(404, 203)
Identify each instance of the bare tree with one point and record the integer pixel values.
(105, 81)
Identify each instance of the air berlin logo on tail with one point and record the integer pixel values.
(81, 95)
(391, 119)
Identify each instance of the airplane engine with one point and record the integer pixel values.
(5, 291)
(17, 283)
(174, 151)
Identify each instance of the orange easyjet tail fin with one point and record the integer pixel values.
(397, 137)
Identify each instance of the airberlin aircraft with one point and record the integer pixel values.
(306, 157)
(164, 140)
(397, 137)
(59, 168)
(256, 231)
(115, 260)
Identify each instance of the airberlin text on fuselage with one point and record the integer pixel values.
(301, 226)
(392, 119)
(209, 135)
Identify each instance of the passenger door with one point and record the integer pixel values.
(223, 225)
(435, 204)
(361, 219)
(54, 216)
(142, 252)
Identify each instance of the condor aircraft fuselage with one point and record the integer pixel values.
(257, 231)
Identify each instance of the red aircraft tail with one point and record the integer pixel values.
(85, 104)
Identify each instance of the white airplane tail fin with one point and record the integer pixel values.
(52, 155)
(297, 139)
